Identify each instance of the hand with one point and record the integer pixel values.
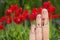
(40, 31)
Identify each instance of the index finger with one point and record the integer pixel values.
(45, 27)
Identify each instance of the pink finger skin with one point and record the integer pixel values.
(32, 33)
(45, 27)
(38, 28)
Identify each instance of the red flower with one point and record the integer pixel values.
(34, 10)
(54, 16)
(46, 4)
(3, 18)
(25, 14)
(50, 16)
(20, 10)
(34, 14)
(8, 19)
(51, 9)
(58, 15)
(2, 27)
(17, 12)
(8, 12)
(31, 18)
(14, 7)
(40, 10)
(18, 20)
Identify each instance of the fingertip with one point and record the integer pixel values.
(39, 15)
(33, 28)
(44, 10)
(32, 33)
(38, 20)
(45, 13)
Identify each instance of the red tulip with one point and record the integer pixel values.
(3, 18)
(40, 10)
(2, 27)
(54, 16)
(8, 12)
(20, 10)
(34, 10)
(18, 20)
(51, 9)
(17, 12)
(31, 18)
(25, 14)
(46, 4)
(14, 7)
(58, 16)
(34, 14)
(50, 16)
(8, 19)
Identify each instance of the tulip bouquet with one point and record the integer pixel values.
(11, 27)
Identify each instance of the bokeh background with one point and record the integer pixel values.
(21, 31)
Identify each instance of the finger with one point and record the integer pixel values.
(32, 33)
(45, 16)
(46, 24)
(38, 28)
(38, 20)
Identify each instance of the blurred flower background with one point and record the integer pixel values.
(16, 17)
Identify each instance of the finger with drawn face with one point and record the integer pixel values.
(45, 27)
(38, 28)
(32, 33)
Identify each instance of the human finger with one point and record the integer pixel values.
(32, 33)
(45, 26)
(38, 28)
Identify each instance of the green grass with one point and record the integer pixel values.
(20, 32)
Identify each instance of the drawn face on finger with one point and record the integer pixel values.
(38, 20)
(44, 13)
(45, 16)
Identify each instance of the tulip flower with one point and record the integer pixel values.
(54, 16)
(25, 14)
(2, 27)
(17, 12)
(20, 10)
(34, 10)
(40, 10)
(3, 18)
(46, 4)
(18, 20)
(13, 7)
(8, 19)
(31, 18)
(8, 12)
(51, 9)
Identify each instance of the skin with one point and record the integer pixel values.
(40, 31)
